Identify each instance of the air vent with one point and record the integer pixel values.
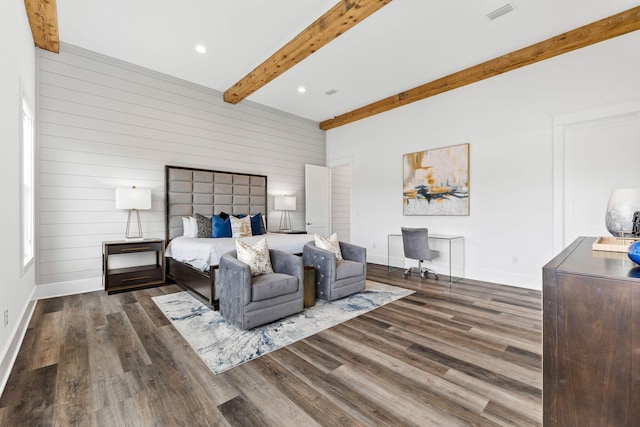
(500, 11)
(331, 92)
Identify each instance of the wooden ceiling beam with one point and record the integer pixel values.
(339, 19)
(43, 19)
(604, 29)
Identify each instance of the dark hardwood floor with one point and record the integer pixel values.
(465, 354)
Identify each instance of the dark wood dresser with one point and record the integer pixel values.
(591, 338)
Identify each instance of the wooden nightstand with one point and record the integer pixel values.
(136, 277)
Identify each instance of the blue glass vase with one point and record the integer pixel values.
(634, 252)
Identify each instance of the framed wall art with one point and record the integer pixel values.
(436, 182)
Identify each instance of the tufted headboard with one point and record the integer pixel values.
(190, 191)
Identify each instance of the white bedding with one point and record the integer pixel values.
(203, 253)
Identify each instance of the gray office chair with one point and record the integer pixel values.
(416, 246)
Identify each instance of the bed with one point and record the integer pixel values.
(192, 262)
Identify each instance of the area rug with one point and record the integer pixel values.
(222, 346)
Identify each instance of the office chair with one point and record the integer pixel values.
(416, 246)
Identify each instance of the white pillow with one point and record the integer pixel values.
(256, 256)
(241, 227)
(331, 244)
(189, 226)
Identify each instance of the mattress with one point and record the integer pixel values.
(201, 253)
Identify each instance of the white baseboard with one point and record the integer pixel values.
(49, 290)
(11, 353)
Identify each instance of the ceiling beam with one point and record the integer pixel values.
(340, 18)
(43, 19)
(604, 29)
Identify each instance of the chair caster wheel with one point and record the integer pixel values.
(437, 277)
(424, 275)
(406, 275)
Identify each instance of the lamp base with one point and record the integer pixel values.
(133, 237)
(285, 221)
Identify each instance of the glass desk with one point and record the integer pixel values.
(451, 258)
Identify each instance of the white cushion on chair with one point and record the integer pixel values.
(256, 257)
(331, 244)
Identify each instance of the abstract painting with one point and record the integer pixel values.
(436, 182)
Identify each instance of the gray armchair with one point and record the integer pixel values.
(247, 301)
(337, 279)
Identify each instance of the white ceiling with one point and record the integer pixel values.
(403, 45)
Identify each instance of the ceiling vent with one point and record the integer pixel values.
(500, 11)
(331, 92)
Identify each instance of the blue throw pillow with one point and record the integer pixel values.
(220, 227)
(256, 225)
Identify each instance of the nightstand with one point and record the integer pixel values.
(290, 231)
(138, 276)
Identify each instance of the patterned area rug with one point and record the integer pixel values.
(222, 346)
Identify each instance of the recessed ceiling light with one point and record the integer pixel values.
(201, 49)
(302, 89)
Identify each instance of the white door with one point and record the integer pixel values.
(317, 205)
(600, 156)
(341, 201)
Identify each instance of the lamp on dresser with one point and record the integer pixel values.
(285, 204)
(133, 199)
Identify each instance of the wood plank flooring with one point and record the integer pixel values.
(451, 355)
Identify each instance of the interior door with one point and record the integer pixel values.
(600, 156)
(317, 199)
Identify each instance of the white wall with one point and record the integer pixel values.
(105, 123)
(508, 122)
(17, 64)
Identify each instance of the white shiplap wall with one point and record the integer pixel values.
(104, 123)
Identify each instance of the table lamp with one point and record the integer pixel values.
(285, 204)
(133, 199)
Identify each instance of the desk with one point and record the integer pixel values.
(451, 252)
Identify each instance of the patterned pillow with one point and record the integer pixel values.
(240, 227)
(331, 244)
(256, 256)
(204, 225)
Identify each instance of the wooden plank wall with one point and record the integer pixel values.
(104, 123)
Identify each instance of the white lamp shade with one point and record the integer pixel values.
(285, 203)
(133, 198)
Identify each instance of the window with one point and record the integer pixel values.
(27, 184)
